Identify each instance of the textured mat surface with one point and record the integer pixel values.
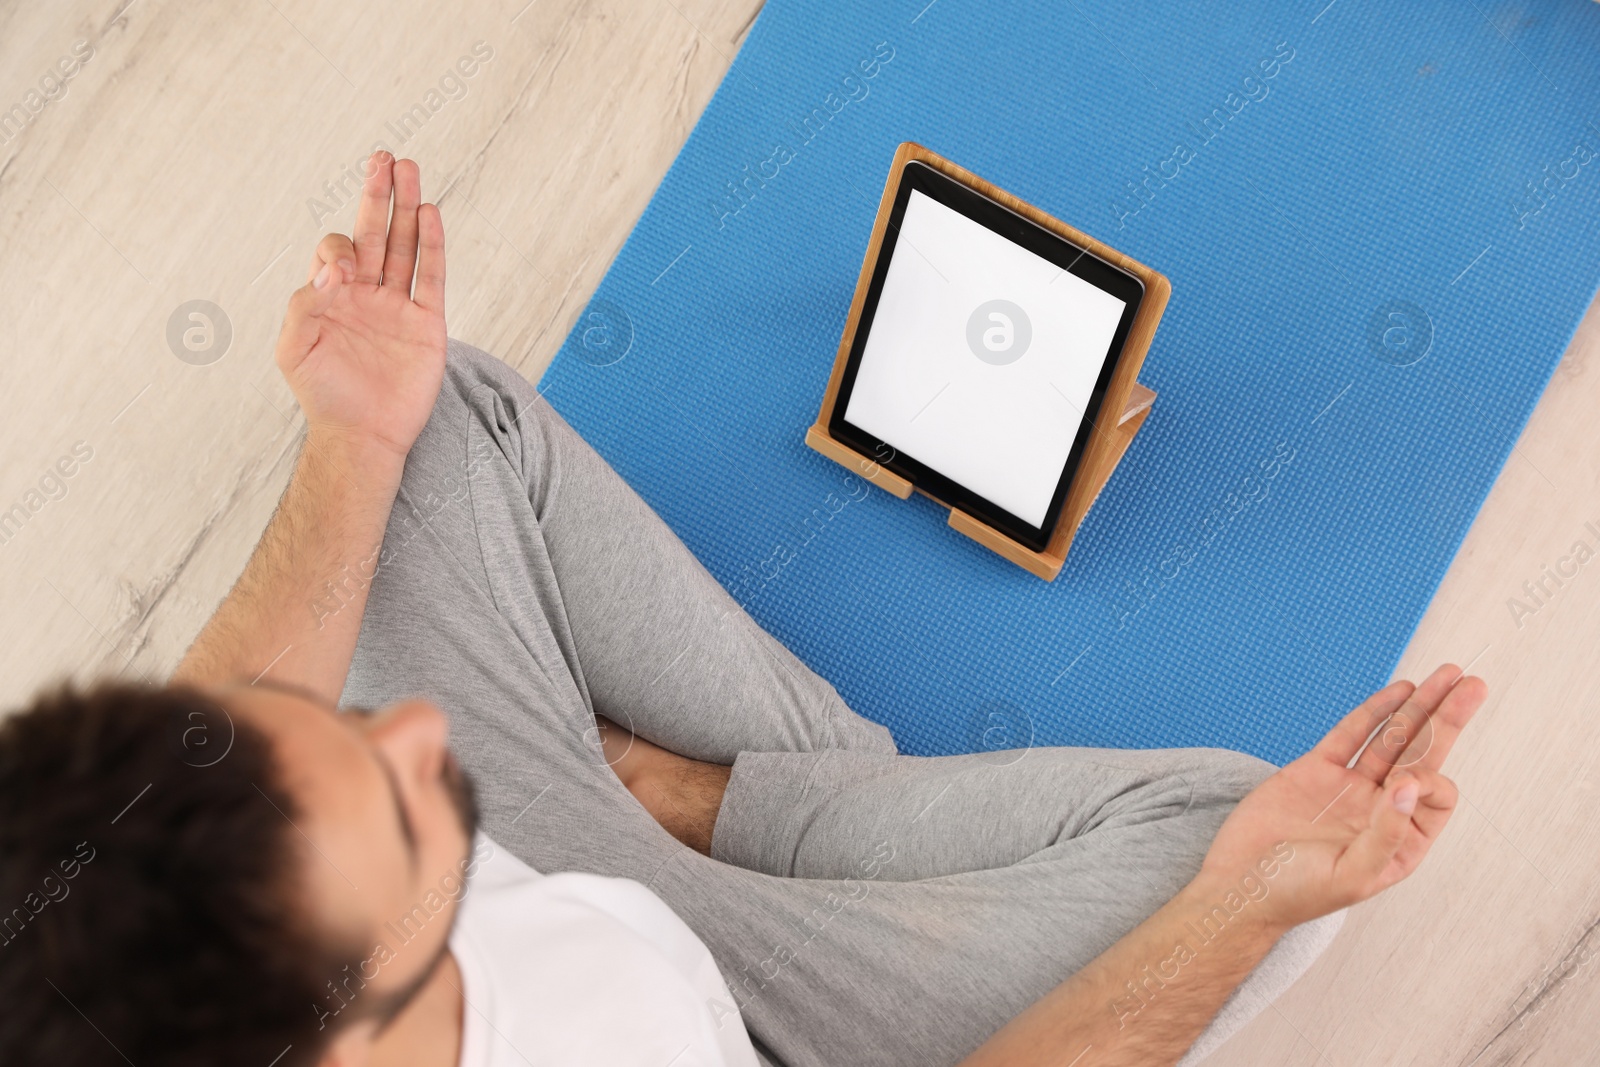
(1264, 552)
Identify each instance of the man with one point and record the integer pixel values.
(229, 870)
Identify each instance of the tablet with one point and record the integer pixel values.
(981, 355)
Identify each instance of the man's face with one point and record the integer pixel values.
(385, 827)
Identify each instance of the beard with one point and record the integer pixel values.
(463, 796)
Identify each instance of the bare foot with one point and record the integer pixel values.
(680, 793)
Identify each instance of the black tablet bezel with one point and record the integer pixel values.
(1050, 246)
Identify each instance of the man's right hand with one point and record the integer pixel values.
(1357, 830)
(364, 357)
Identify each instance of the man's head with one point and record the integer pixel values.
(196, 877)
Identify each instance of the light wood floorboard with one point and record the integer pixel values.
(179, 165)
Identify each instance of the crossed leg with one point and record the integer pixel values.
(680, 793)
(863, 906)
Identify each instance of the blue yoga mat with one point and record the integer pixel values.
(1380, 223)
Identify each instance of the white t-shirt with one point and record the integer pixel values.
(580, 969)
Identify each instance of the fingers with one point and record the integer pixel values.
(372, 218)
(1427, 751)
(1436, 800)
(1407, 723)
(1343, 742)
(333, 248)
(430, 260)
(1407, 818)
(400, 256)
(1363, 869)
(302, 323)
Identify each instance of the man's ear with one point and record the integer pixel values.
(351, 1045)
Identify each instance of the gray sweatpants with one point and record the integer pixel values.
(864, 907)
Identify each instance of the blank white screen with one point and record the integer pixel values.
(1002, 431)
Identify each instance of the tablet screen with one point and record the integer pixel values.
(982, 358)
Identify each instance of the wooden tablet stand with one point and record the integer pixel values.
(1108, 440)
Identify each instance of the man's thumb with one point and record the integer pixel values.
(1369, 854)
(303, 321)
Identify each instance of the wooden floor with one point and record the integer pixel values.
(195, 155)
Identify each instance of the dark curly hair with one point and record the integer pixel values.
(147, 886)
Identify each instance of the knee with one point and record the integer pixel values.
(468, 370)
(467, 430)
(1225, 777)
(1199, 781)
(1296, 951)
(477, 390)
(490, 392)
(1310, 940)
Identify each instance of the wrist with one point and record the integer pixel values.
(1243, 906)
(359, 457)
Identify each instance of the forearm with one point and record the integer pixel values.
(1352, 821)
(1145, 999)
(295, 613)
